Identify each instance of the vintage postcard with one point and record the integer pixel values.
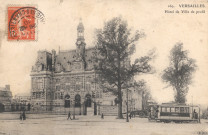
(114, 67)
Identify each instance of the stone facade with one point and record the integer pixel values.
(65, 80)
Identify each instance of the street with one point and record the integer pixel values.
(46, 124)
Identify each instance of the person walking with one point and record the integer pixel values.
(69, 116)
(20, 115)
(130, 115)
(23, 115)
(102, 116)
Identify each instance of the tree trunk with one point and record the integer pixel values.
(120, 116)
(180, 96)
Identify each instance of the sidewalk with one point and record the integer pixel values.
(80, 118)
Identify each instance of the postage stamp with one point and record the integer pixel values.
(22, 22)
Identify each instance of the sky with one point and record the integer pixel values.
(162, 31)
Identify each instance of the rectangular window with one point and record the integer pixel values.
(72, 87)
(164, 109)
(56, 96)
(38, 94)
(172, 109)
(97, 94)
(88, 87)
(77, 87)
(57, 87)
(177, 109)
(68, 87)
(186, 110)
(181, 109)
(111, 103)
(168, 109)
(61, 95)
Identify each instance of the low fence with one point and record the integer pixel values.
(107, 110)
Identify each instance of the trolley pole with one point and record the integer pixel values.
(192, 107)
(199, 116)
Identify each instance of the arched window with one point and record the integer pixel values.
(88, 100)
(67, 101)
(77, 100)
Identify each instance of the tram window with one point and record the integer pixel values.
(186, 110)
(172, 109)
(181, 109)
(168, 109)
(164, 109)
(177, 109)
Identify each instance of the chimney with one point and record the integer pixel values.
(7, 87)
(53, 59)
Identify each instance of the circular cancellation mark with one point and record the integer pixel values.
(23, 22)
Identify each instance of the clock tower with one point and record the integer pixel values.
(80, 40)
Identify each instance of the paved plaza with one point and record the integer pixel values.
(47, 124)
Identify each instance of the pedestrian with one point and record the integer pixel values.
(69, 116)
(130, 115)
(194, 114)
(23, 115)
(102, 116)
(20, 115)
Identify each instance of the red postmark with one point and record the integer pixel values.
(22, 23)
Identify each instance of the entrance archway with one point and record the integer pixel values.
(77, 100)
(67, 101)
(2, 109)
(88, 100)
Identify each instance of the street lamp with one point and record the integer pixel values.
(74, 110)
(127, 117)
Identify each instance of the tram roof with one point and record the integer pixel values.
(176, 105)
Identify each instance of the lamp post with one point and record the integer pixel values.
(74, 111)
(127, 117)
(192, 106)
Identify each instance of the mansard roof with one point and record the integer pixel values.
(66, 56)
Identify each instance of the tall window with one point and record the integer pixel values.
(177, 109)
(61, 95)
(77, 87)
(56, 96)
(88, 87)
(39, 84)
(38, 94)
(181, 109)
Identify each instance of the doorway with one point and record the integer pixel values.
(67, 101)
(2, 108)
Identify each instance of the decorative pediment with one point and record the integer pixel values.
(77, 65)
(59, 67)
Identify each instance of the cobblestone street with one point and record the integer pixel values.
(45, 124)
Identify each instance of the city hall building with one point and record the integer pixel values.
(64, 81)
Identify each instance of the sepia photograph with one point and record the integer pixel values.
(114, 67)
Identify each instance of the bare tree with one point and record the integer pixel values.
(114, 48)
(179, 73)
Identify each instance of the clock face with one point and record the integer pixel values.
(79, 42)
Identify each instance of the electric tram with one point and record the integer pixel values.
(168, 112)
